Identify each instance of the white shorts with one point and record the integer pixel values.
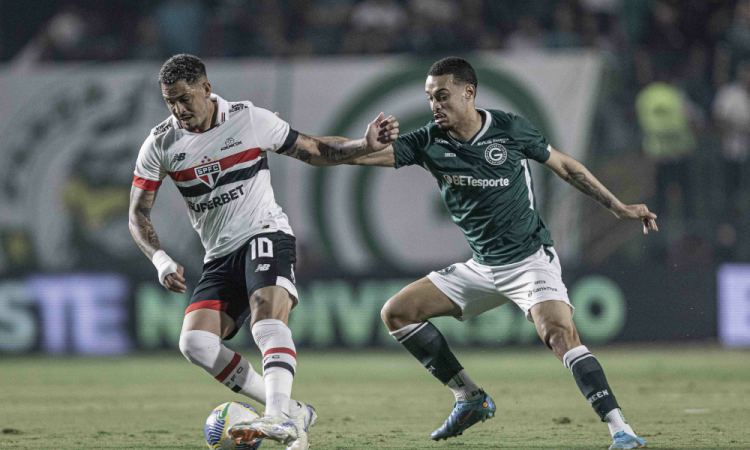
(476, 288)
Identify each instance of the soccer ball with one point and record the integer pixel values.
(224, 416)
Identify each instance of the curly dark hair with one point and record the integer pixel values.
(459, 68)
(182, 67)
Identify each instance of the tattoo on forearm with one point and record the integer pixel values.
(140, 224)
(334, 154)
(580, 181)
(146, 231)
(339, 154)
(304, 155)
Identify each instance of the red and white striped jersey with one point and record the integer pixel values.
(222, 173)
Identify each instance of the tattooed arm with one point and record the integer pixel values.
(578, 176)
(332, 151)
(141, 202)
(139, 215)
(383, 158)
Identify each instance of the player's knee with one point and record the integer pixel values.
(200, 347)
(558, 335)
(393, 315)
(386, 314)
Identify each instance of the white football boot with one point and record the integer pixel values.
(291, 432)
(306, 411)
(303, 416)
(279, 429)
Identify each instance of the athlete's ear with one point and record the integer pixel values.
(207, 88)
(470, 91)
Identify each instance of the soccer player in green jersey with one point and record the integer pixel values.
(480, 159)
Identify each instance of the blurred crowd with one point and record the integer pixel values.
(675, 96)
(119, 29)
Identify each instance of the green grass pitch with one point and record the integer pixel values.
(676, 397)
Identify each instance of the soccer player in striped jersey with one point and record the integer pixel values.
(480, 160)
(215, 153)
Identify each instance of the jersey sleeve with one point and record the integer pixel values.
(408, 148)
(272, 133)
(149, 171)
(533, 144)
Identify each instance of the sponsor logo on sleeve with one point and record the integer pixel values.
(163, 128)
(448, 270)
(234, 107)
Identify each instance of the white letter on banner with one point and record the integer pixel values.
(97, 307)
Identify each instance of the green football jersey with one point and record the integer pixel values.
(486, 183)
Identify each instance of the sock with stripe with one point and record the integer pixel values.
(427, 344)
(206, 351)
(590, 379)
(274, 339)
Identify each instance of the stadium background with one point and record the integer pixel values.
(649, 95)
(652, 96)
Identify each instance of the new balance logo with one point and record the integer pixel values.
(262, 267)
(179, 157)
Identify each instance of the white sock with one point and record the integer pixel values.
(572, 356)
(463, 388)
(407, 331)
(616, 423)
(205, 350)
(274, 339)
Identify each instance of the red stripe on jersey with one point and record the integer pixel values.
(216, 305)
(288, 351)
(225, 163)
(229, 368)
(147, 185)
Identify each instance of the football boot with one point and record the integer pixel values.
(464, 415)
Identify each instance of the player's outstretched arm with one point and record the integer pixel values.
(578, 176)
(383, 158)
(332, 151)
(139, 215)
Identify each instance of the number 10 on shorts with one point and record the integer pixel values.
(261, 247)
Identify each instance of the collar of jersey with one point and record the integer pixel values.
(485, 127)
(221, 115)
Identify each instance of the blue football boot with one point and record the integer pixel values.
(624, 440)
(464, 415)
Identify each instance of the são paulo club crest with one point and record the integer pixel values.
(208, 172)
(495, 154)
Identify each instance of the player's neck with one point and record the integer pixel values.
(207, 125)
(468, 128)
